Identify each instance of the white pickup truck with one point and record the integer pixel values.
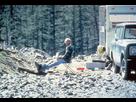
(123, 49)
(117, 32)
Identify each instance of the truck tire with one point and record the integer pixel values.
(125, 71)
(116, 69)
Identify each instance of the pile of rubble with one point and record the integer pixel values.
(12, 60)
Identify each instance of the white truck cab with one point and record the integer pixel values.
(109, 17)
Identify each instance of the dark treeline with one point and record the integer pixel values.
(46, 26)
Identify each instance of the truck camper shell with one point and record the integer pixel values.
(109, 17)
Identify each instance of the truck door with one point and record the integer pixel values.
(118, 40)
(116, 44)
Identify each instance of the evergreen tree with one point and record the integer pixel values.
(1, 21)
(74, 43)
(81, 29)
(46, 26)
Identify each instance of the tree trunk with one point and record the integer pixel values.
(87, 40)
(96, 25)
(81, 29)
(11, 21)
(1, 18)
(42, 38)
(74, 29)
(48, 43)
(9, 28)
(33, 31)
(11, 10)
(9, 38)
(54, 29)
(25, 36)
(37, 28)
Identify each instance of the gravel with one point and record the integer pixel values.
(97, 84)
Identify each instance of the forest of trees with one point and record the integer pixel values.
(46, 26)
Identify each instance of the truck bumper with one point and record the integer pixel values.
(132, 63)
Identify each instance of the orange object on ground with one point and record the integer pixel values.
(80, 68)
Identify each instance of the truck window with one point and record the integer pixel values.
(117, 32)
(121, 32)
(133, 31)
(130, 32)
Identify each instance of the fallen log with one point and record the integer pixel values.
(29, 71)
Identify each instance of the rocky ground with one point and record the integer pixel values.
(98, 83)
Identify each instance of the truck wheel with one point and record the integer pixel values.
(125, 71)
(116, 69)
